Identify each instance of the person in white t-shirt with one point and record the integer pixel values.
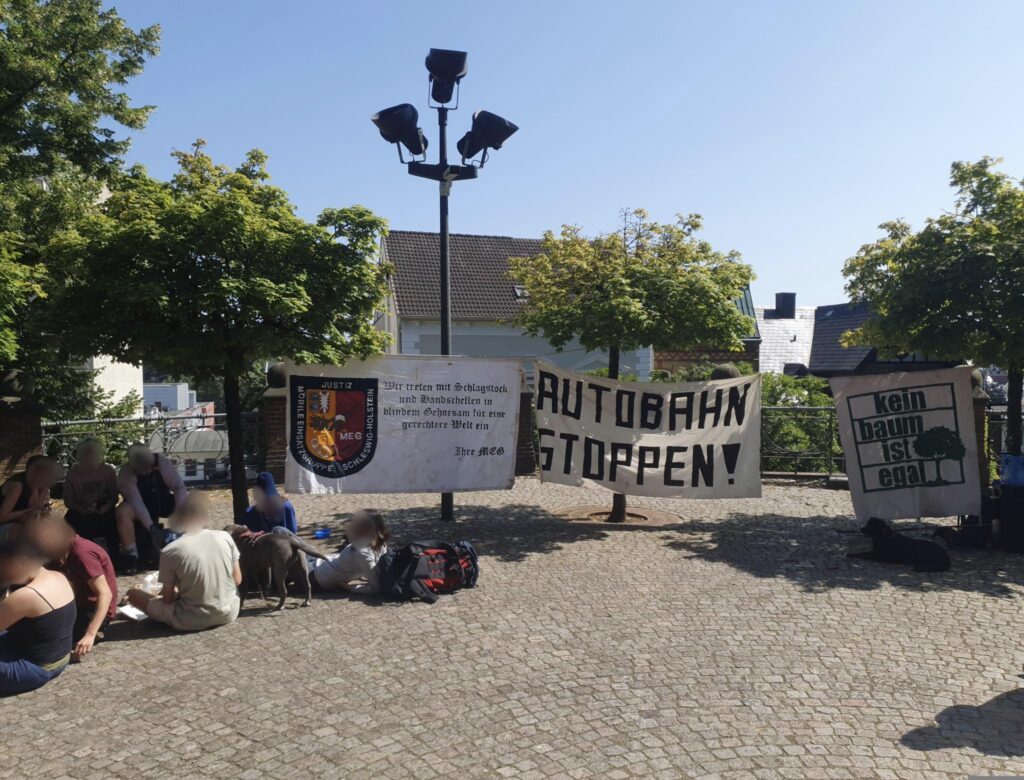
(355, 568)
(199, 574)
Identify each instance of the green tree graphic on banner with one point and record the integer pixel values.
(939, 444)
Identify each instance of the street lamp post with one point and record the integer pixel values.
(399, 125)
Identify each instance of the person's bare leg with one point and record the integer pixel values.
(139, 599)
(124, 516)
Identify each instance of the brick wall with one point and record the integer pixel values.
(671, 360)
(20, 438)
(275, 445)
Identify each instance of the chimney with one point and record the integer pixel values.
(785, 306)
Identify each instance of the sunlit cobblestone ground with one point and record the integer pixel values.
(739, 643)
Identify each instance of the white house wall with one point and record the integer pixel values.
(117, 378)
(417, 337)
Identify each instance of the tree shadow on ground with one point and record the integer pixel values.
(508, 533)
(995, 728)
(811, 552)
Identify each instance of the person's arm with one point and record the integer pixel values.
(72, 499)
(168, 578)
(129, 487)
(11, 492)
(99, 586)
(12, 609)
(290, 520)
(112, 491)
(236, 569)
(173, 480)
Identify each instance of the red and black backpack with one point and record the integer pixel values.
(428, 569)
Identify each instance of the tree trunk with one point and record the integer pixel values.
(1014, 387)
(618, 514)
(236, 457)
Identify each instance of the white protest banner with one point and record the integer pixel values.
(688, 440)
(403, 424)
(909, 443)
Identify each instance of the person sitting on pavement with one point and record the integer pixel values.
(152, 489)
(355, 568)
(26, 492)
(89, 570)
(199, 574)
(269, 513)
(90, 495)
(36, 619)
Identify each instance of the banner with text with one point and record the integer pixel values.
(688, 440)
(403, 424)
(909, 443)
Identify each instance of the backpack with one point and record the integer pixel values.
(427, 569)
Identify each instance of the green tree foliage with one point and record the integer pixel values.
(798, 432)
(61, 64)
(939, 444)
(697, 372)
(212, 271)
(955, 289)
(648, 284)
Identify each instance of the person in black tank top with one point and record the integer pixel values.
(26, 491)
(36, 619)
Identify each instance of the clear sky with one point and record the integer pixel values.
(794, 128)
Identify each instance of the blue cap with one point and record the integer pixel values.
(265, 482)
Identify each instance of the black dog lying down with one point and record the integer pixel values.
(889, 546)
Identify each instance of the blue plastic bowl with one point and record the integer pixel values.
(321, 533)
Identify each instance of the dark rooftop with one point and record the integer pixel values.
(828, 356)
(481, 289)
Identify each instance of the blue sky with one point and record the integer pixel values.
(794, 128)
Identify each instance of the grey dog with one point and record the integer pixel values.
(283, 555)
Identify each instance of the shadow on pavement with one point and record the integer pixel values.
(995, 728)
(811, 552)
(510, 533)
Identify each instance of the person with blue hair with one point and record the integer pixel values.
(270, 512)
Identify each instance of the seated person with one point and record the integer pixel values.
(269, 512)
(152, 489)
(36, 619)
(89, 570)
(90, 494)
(199, 574)
(354, 568)
(26, 492)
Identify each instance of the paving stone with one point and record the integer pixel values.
(740, 643)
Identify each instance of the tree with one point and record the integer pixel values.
(649, 284)
(939, 444)
(60, 66)
(212, 271)
(955, 289)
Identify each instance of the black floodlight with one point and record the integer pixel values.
(398, 125)
(489, 131)
(446, 68)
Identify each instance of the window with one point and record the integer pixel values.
(520, 291)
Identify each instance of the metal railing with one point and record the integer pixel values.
(800, 441)
(198, 444)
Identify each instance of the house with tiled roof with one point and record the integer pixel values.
(830, 358)
(672, 360)
(485, 303)
(787, 332)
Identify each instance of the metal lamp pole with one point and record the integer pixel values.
(397, 125)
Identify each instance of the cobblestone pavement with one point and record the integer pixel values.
(740, 643)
